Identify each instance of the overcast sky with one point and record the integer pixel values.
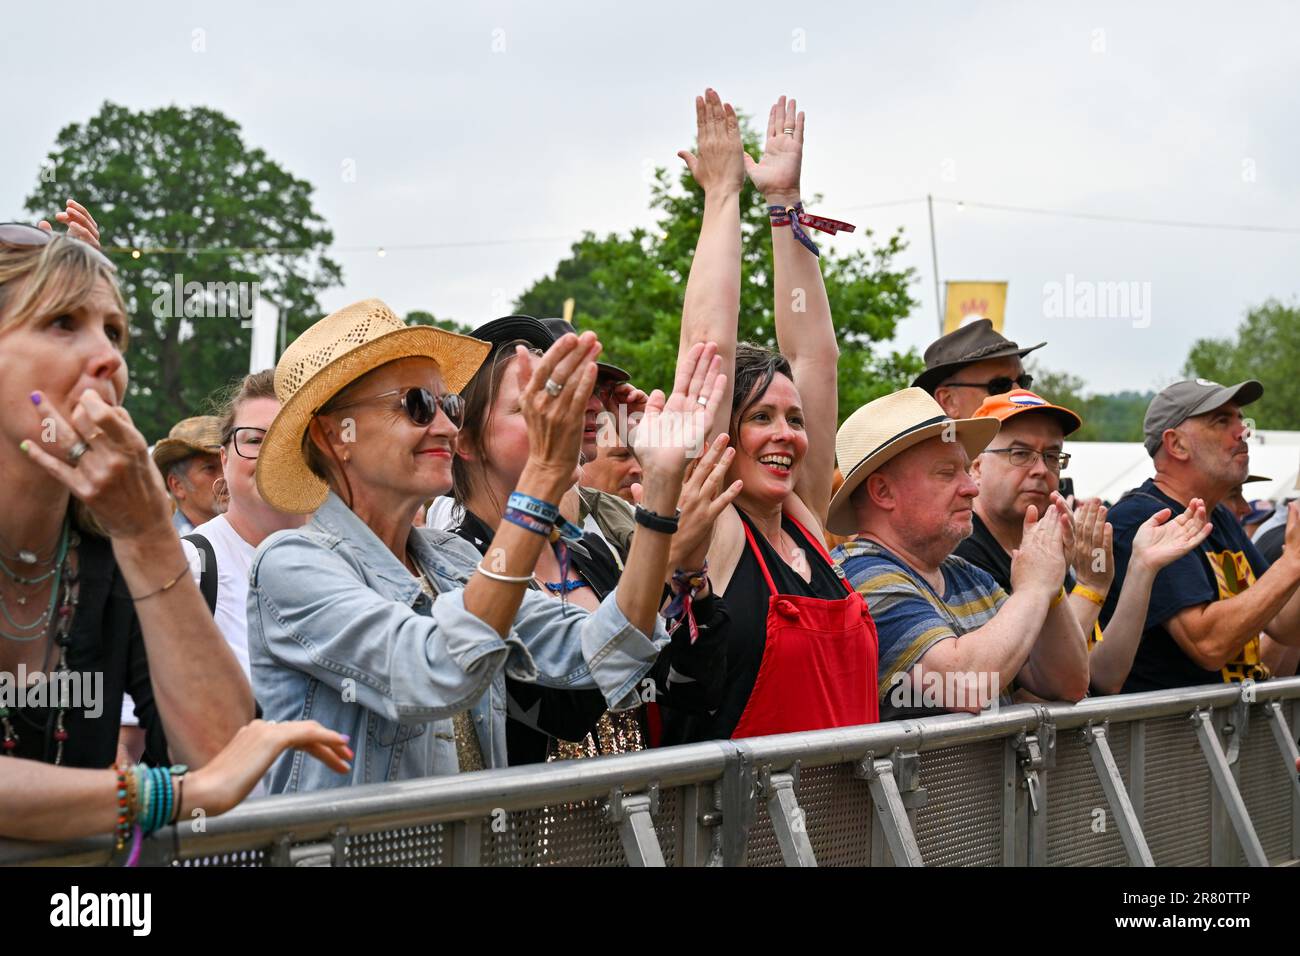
(533, 122)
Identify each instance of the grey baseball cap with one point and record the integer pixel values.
(1184, 400)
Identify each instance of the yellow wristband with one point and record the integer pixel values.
(1089, 594)
(1059, 598)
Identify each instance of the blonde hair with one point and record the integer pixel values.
(60, 276)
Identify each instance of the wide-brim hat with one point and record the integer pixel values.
(329, 356)
(973, 342)
(604, 370)
(882, 429)
(200, 435)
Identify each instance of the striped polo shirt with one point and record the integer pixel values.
(910, 617)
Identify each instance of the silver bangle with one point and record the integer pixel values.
(503, 578)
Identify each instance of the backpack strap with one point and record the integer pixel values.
(207, 569)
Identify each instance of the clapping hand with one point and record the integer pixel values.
(720, 163)
(1093, 551)
(776, 175)
(673, 428)
(1160, 542)
(1041, 560)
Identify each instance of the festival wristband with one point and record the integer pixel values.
(539, 509)
(527, 522)
(1059, 597)
(795, 218)
(1089, 594)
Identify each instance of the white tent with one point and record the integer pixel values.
(1107, 469)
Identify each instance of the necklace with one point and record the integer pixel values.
(24, 556)
(35, 630)
(67, 588)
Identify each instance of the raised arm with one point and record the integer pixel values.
(805, 333)
(712, 306)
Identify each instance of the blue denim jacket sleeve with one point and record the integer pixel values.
(317, 615)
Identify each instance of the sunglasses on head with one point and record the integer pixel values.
(21, 234)
(997, 386)
(420, 405)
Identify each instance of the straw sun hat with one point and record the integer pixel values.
(880, 430)
(330, 355)
(200, 435)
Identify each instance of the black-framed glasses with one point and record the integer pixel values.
(1025, 457)
(420, 405)
(248, 440)
(997, 386)
(23, 234)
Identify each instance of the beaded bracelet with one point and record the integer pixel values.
(125, 817)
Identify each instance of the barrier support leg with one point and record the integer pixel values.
(636, 827)
(787, 816)
(1228, 791)
(887, 800)
(1130, 831)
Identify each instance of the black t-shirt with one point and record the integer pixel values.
(983, 550)
(746, 598)
(1225, 565)
(1269, 545)
(106, 644)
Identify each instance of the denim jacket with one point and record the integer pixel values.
(339, 631)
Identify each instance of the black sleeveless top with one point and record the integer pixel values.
(746, 599)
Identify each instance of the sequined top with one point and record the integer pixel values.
(469, 752)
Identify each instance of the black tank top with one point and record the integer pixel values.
(747, 599)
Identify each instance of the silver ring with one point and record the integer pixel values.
(76, 451)
(553, 388)
(702, 400)
(788, 131)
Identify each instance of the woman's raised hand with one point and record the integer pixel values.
(673, 429)
(553, 395)
(720, 163)
(81, 224)
(103, 460)
(776, 175)
(227, 778)
(704, 497)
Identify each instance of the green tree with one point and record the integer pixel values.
(420, 317)
(629, 289)
(181, 187)
(1116, 417)
(1267, 348)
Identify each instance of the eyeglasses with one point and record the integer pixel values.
(420, 404)
(1025, 457)
(22, 234)
(996, 386)
(248, 440)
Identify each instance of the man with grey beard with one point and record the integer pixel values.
(1220, 613)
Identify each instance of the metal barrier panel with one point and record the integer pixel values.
(961, 822)
(407, 846)
(1081, 826)
(255, 857)
(836, 807)
(572, 834)
(1176, 802)
(1266, 788)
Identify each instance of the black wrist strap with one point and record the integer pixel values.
(656, 522)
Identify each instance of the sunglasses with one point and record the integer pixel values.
(420, 404)
(997, 386)
(21, 234)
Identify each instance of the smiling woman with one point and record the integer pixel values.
(92, 577)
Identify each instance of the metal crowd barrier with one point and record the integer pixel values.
(1195, 777)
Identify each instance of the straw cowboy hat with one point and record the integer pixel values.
(200, 435)
(329, 356)
(882, 429)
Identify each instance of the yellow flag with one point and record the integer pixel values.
(967, 301)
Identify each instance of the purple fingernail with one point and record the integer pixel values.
(346, 738)
(36, 398)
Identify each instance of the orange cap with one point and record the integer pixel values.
(1021, 400)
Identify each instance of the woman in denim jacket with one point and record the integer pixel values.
(400, 637)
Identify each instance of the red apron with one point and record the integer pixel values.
(819, 660)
